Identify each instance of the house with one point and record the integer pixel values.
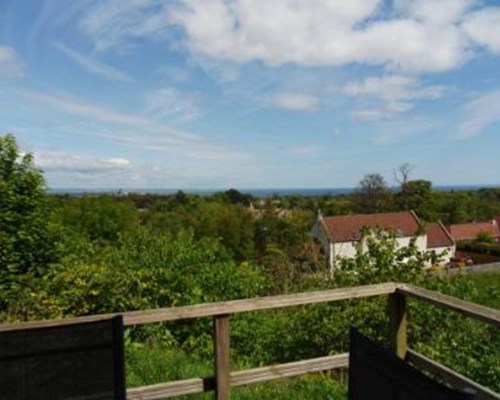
(470, 231)
(340, 235)
(440, 242)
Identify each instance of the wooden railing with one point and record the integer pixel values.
(224, 379)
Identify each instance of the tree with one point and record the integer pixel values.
(402, 173)
(234, 196)
(416, 195)
(26, 244)
(99, 218)
(373, 195)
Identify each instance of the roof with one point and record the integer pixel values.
(470, 231)
(347, 228)
(438, 236)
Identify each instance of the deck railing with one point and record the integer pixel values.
(224, 379)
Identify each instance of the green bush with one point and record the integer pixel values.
(480, 247)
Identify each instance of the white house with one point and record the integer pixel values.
(440, 242)
(340, 235)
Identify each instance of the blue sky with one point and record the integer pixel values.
(252, 93)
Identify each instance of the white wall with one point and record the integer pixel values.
(348, 249)
(446, 253)
(334, 251)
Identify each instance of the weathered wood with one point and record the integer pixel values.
(289, 370)
(239, 378)
(222, 308)
(166, 390)
(473, 310)
(453, 378)
(398, 323)
(221, 357)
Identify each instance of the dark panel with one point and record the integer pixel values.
(376, 373)
(77, 361)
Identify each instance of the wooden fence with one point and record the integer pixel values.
(224, 379)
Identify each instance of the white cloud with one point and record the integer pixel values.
(371, 114)
(393, 87)
(396, 91)
(296, 101)
(315, 32)
(93, 66)
(123, 127)
(404, 129)
(171, 102)
(480, 113)
(440, 12)
(113, 23)
(409, 35)
(51, 161)
(483, 27)
(10, 65)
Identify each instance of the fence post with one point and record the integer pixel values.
(398, 323)
(221, 350)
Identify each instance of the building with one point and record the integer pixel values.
(340, 235)
(470, 231)
(440, 242)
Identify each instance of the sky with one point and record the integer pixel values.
(252, 93)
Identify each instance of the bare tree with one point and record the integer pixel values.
(402, 173)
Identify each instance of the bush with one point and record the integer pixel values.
(480, 247)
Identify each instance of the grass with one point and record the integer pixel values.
(488, 288)
(147, 365)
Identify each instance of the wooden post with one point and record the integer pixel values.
(398, 323)
(221, 350)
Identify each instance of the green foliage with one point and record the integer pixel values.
(142, 271)
(380, 259)
(373, 195)
(485, 237)
(26, 237)
(98, 218)
(416, 195)
(480, 247)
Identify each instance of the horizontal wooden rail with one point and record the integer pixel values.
(221, 308)
(240, 378)
(453, 378)
(473, 310)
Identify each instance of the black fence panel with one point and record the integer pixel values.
(75, 361)
(376, 373)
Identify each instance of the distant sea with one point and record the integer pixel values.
(264, 192)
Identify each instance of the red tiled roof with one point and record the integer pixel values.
(346, 228)
(470, 231)
(438, 236)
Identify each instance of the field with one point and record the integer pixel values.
(488, 288)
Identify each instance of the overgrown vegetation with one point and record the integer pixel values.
(76, 256)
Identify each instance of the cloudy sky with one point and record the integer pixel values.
(252, 93)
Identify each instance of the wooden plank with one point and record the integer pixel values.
(239, 378)
(222, 308)
(166, 390)
(473, 310)
(221, 358)
(398, 324)
(289, 370)
(448, 375)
